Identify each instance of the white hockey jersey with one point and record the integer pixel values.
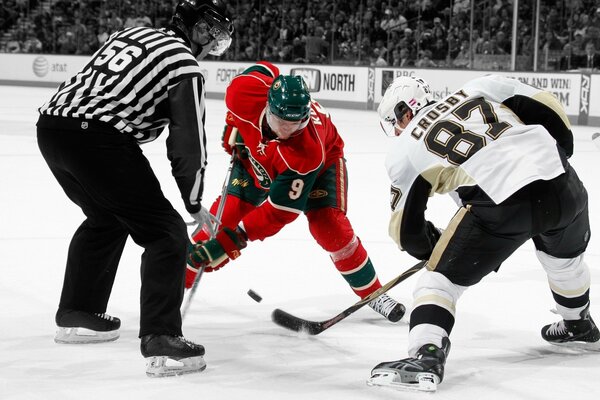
(470, 138)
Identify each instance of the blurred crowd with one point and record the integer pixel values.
(410, 33)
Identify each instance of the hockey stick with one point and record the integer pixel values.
(291, 322)
(218, 216)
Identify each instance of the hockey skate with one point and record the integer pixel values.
(422, 373)
(168, 355)
(582, 333)
(388, 307)
(80, 327)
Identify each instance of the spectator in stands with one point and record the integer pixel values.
(113, 20)
(592, 34)
(491, 48)
(478, 43)
(424, 60)
(102, 35)
(66, 43)
(32, 44)
(8, 14)
(271, 34)
(396, 59)
(408, 35)
(398, 22)
(502, 42)
(550, 42)
(463, 59)
(439, 51)
(578, 45)
(386, 20)
(553, 20)
(90, 43)
(285, 54)
(568, 59)
(376, 32)
(453, 45)
(249, 54)
(405, 58)
(424, 36)
(316, 47)
(13, 46)
(298, 50)
(377, 58)
(438, 29)
(344, 24)
(591, 59)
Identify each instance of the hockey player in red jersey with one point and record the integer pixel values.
(290, 160)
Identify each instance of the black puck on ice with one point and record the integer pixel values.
(255, 296)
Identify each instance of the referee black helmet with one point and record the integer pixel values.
(205, 23)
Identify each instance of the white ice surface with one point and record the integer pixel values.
(497, 351)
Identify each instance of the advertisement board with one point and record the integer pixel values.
(566, 87)
(38, 70)
(594, 105)
(334, 86)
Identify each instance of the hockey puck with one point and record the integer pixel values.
(255, 296)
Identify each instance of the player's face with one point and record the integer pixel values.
(394, 127)
(285, 129)
(402, 123)
(210, 37)
(201, 51)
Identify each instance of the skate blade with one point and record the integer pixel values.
(84, 336)
(163, 366)
(425, 381)
(578, 346)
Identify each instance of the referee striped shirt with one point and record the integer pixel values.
(140, 81)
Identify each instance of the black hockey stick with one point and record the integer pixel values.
(291, 322)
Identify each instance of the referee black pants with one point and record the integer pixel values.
(105, 173)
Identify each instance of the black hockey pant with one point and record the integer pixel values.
(105, 173)
(481, 236)
(553, 213)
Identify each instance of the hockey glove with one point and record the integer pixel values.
(232, 139)
(216, 252)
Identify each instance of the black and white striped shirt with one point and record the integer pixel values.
(140, 81)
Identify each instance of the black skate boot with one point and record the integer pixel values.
(581, 333)
(85, 327)
(185, 356)
(388, 307)
(421, 373)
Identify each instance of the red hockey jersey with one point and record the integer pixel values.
(286, 168)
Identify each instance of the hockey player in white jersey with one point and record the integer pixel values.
(503, 148)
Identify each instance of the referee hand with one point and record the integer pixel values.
(206, 221)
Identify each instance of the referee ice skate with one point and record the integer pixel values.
(89, 132)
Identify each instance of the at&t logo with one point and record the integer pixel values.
(41, 66)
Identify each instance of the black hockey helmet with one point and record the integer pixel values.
(205, 19)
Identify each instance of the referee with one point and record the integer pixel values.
(142, 80)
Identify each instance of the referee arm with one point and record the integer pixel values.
(186, 144)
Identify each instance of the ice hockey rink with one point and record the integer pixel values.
(497, 351)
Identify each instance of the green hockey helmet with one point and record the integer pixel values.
(288, 105)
